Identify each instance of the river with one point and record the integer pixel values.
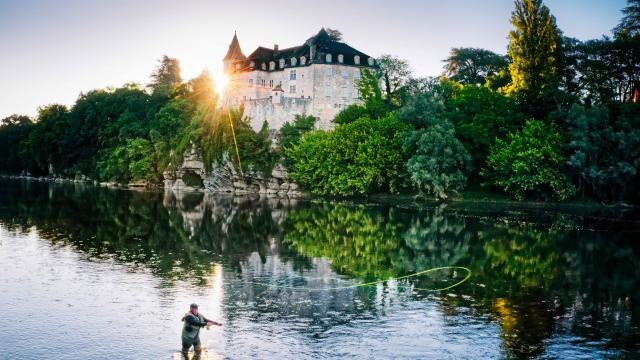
(96, 273)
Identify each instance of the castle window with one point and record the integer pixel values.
(264, 83)
(250, 82)
(303, 60)
(340, 58)
(270, 83)
(272, 65)
(356, 60)
(327, 58)
(371, 61)
(294, 61)
(264, 66)
(328, 72)
(356, 74)
(292, 75)
(281, 63)
(292, 89)
(345, 73)
(252, 64)
(343, 92)
(327, 90)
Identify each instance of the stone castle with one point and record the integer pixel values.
(317, 78)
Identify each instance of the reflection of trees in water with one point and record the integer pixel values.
(180, 239)
(535, 281)
(377, 243)
(532, 279)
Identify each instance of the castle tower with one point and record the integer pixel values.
(233, 54)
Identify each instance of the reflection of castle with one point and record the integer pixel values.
(316, 78)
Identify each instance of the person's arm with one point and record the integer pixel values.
(194, 321)
(211, 321)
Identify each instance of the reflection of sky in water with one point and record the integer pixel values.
(96, 273)
(65, 307)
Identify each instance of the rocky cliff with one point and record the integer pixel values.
(224, 177)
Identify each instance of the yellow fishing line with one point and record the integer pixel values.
(235, 142)
(375, 283)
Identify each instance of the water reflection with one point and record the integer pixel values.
(553, 282)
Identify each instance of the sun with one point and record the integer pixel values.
(221, 81)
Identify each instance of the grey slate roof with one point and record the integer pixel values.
(321, 44)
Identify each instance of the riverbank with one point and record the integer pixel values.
(473, 197)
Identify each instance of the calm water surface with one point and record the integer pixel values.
(93, 273)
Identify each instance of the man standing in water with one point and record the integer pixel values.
(193, 321)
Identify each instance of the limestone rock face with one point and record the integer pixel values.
(224, 177)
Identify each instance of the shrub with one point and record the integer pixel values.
(438, 162)
(528, 163)
(355, 159)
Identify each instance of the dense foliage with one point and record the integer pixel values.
(428, 135)
(131, 134)
(358, 158)
(529, 163)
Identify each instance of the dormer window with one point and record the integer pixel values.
(303, 60)
(340, 58)
(327, 58)
(252, 64)
(272, 65)
(264, 66)
(356, 60)
(371, 61)
(294, 61)
(281, 63)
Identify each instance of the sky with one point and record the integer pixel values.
(51, 50)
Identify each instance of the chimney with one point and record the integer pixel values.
(275, 47)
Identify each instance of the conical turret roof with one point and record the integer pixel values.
(234, 52)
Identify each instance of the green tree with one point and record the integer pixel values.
(202, 90)
(533, 50)
(45, 142)
(291, 133)
(480, 116)
(472, 66)
(394, 74)
(630, 23)
(358, 158)
(14, 131)
(334, 34)
(604, 160)
(529, 163)
(439, 162)
(426, 108)
(166, 77)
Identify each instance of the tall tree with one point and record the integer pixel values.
(334, 34)
(202, 89)
(394, 74)
(13, 131)
(473, 65)
(533, 50)
(630, 23)
(166, 76)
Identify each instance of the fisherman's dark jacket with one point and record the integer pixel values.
(192, 325)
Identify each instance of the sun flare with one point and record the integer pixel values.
(221, 83)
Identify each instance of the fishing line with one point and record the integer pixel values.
(235, 142)
(375, 283)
